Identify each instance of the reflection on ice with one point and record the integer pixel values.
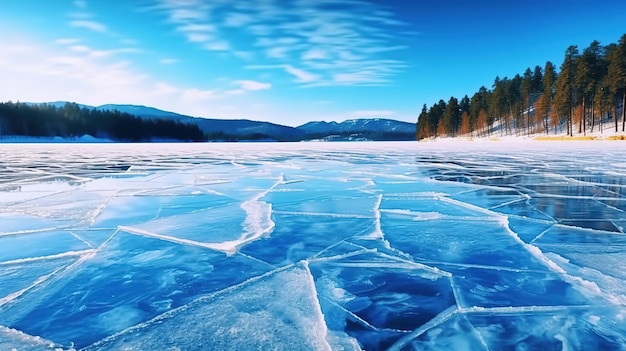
(320, 246)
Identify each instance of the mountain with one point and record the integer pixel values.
(143, 111)
(241, 129)
(362, 125)
(216, 128)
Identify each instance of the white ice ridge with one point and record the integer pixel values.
(426, 216)
(440, 318)
(15, 340)
(378, 232)
(587, 288)
(522, 309)
(321, 214)
(50, 257)
(11, 297)
(258, 222)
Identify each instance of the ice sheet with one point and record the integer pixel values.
(342, 246)
(277, 311)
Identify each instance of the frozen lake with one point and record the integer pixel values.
(313, 246)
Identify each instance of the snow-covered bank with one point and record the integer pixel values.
(606, 133)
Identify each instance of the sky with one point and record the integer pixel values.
(285, 61)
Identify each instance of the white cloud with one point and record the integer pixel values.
(78, 75)
(352, 46)
(83, 49)
(67, 41)
(168, 61)
(183, 14)
(80, 15)
(79, 48)
(314, 54)
(195, 37)
(91, 25)
(351, 78)
(218, 46)
(244, 55)
(301, 75)
(198, 95)
(235, 92)
(277, 52)
(237, 20)
(253, 85)
(161, 88)
(195, 27)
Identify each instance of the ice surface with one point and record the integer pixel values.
(278, 311)
(317, 246)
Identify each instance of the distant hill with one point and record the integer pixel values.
(245, 129)
(57, 104)
(142, 111)
(237, 128)
(360, 129)
(358, 126)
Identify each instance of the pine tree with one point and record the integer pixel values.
(452, 117)
(617, 76)
(465, 124)
(549, 79)
(565, 95)
(588, 71)
(527, 82)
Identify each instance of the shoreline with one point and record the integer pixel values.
(525, 138)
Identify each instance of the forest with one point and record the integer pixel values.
(587, 90)
(69, 121)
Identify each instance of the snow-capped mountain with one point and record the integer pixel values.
(361, 125)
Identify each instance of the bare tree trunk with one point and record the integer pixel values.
(582, 118)
(570, 124)
(615, 116)
(624, 109)
(593, 112)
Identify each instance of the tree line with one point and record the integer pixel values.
(588, 90)
(69, 121)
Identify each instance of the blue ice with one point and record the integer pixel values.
(316, 246)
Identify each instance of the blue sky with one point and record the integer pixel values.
(285, 61)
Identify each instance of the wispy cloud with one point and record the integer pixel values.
(168, 61)
(67, 41)
(90, 25)
(161, 88)
(301, 75)
(88, 51)
(219, 45)
(198, 95)
(332, 42)
(238, 20)
(94, 76)
(252, 85)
